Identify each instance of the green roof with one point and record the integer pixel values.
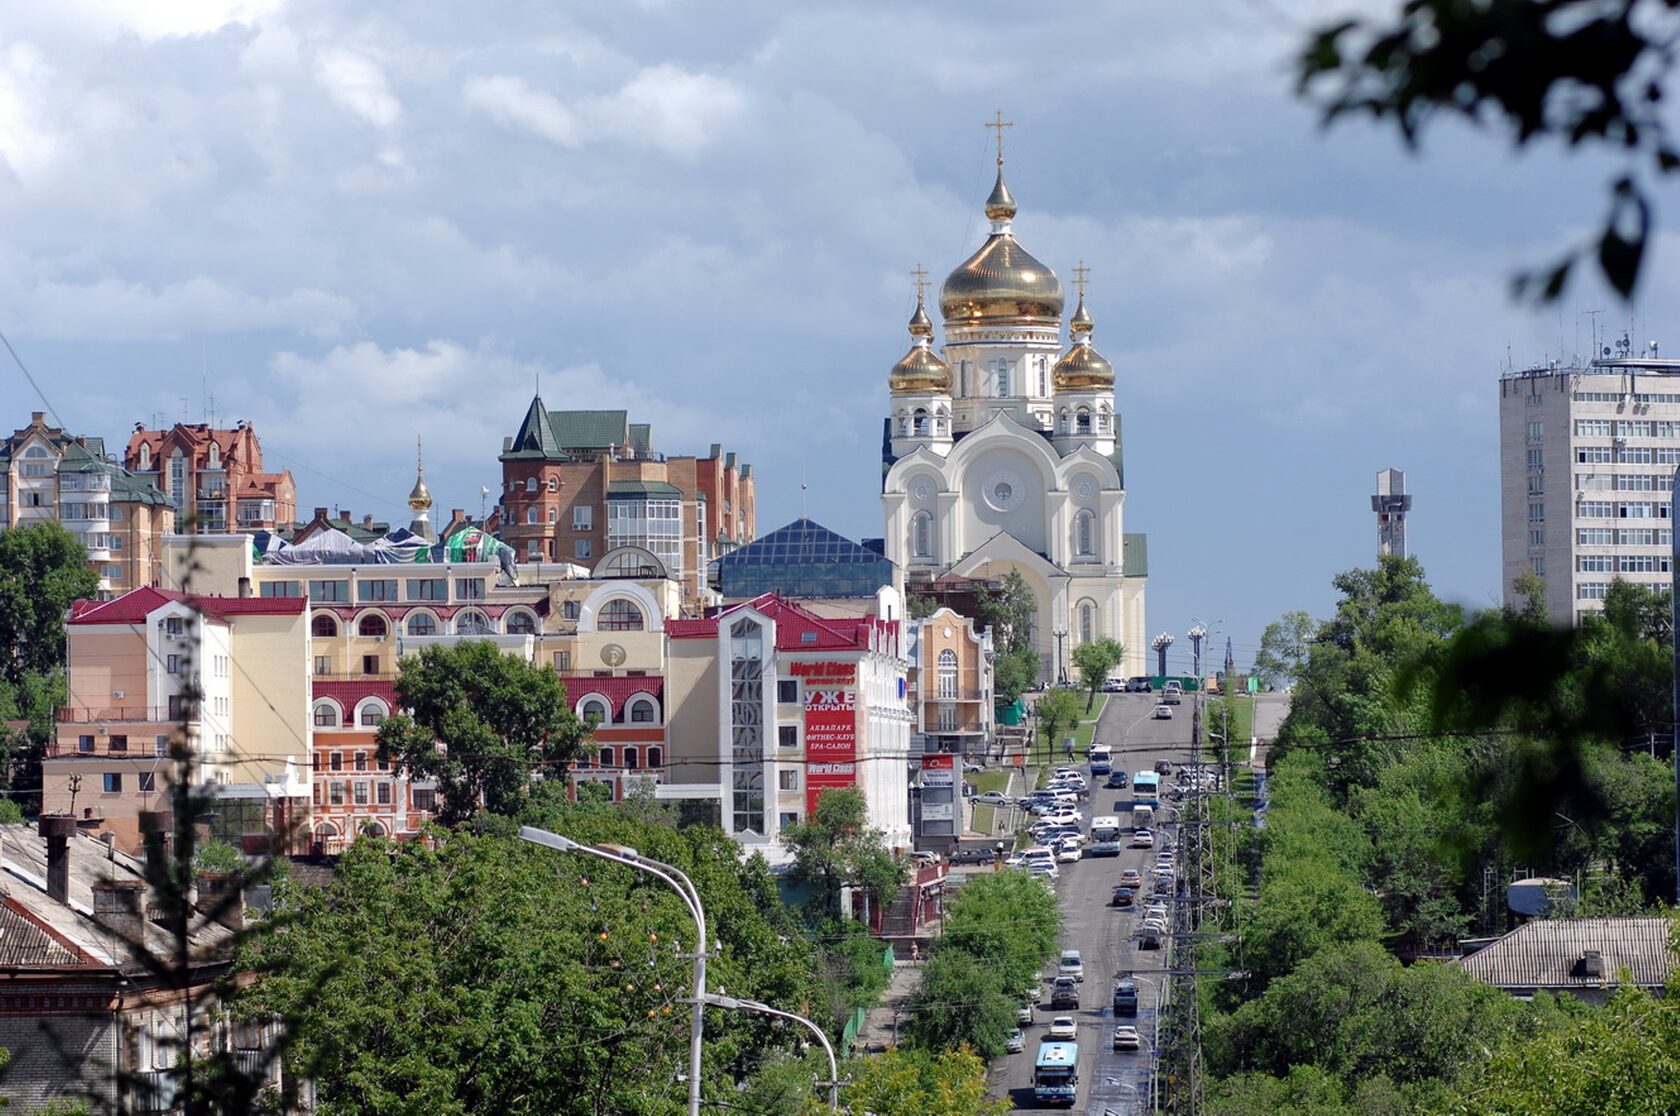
(78, 459)
(590, 429)
(535, 438)
(126, 488)
(1134, 551)
(633, 489)
(641, 437)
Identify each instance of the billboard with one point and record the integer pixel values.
(939, 770)
(830, 737)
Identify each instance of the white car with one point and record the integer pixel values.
(1048, 873)
(1125, 1038)
(1163, 712)
(1015, 1041)
(1063, 1028)
(1065, 816)
(1143, 839)
(1069, 852)
(1071, 964)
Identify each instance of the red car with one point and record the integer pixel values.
(1123, 897)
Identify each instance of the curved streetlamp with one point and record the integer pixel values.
(833, 1081)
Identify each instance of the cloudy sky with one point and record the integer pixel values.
(356, 223)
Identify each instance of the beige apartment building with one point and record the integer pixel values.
(1587, 458)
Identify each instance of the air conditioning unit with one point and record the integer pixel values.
(119, 694)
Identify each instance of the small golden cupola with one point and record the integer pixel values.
(420, 497)
(1082, 368)
(921, 372)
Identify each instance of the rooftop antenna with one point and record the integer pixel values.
(1593, 316)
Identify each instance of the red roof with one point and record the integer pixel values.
(796, 629)
(617, 689)
(350, 692)
(134, 606)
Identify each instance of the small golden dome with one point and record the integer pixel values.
(1081, 320)
(419, 497)
(920, 324)
(1082, 368)
(1001, 205)
(920, 371)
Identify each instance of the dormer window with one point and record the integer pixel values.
(145, 458)
(215, 458)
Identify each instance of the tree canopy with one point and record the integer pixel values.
(1093, 660)
(1284, 647)
(1058, 712)
(907, 1081)
(1009, 610)
(835, 846)
(498, 718)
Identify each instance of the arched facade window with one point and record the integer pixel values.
(620, 615)
(1082, 421)
(1087, 621)
(145, 458)
(531, 514)
(596, 708)
(472, 622)
(323, 627)
(1085, 534)
(642, 712)
(941, 421)
(326, 715)
(921, 535)
(214, 459)
(553, 484)
(371, 713)
(530, 484)
(656, 756)
(632, 759)
(422, 624)
(606, 757)
(919, 425)
(373, 625)
(1104, 417)
(947, 673)
(1065, 420)
(520, 622)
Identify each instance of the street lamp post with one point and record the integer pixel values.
(833, 1081)
(691, 899)
(1060, 632)
(1160, 644)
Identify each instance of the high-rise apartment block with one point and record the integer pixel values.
(215, 476)
(577, 484)
(47, 474)
(1587, 458)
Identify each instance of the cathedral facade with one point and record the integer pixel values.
(1004, 453)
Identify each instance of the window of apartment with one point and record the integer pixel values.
(113, 782)
(583, 517)
(1536, 486)
(1596, 509)
(323, 664)
(562, 661)
(554, 515)
(172, 625)
(422, 624)
(1643, 563)
(606, 757)
(1592, 428)
(1536, 459)
(377, 589)
(1589, 455)
(382, 793)
(335, 793)
(787, 736)
(148, 782)
(642, 712)
(787, 779)
(1538, 565)
(423, 798)
(1536, 431)
(632, 759)
(84, 744)
(531, 514)
(787, 818)
(335, 761)
(947, 718)
(160, 744)
(361, 761)
(359, 792)
(582, 548)
(1595, 563)
(469, 588)
(1634, 455)
(335, 590)
(620, 615)
(570, 610)
(521, 623)
(370, 664)
(119, 742)
(326, 716)
(1640, 429)
(428, 588)
(1592, 590)
(1595, 536)
(1537, 513)
(176, 704)
(373, 714)
(1537, 537)
(787, 690)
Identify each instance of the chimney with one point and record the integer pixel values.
(221, 896)
(344, 516)
(157, 838)
(120, 906)
(367, 521)
(320, 513)
(37, 418)
(58, 829)
(1591, 964)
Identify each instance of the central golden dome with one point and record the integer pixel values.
(1001, 282)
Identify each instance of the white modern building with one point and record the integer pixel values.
(1005, 454)
(1587, 457)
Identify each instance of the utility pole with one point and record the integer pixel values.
(1674, 643)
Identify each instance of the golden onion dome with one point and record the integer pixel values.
(920, 324)
(921, 370)
(1082, 368)
(1002, 281)
(419, 497)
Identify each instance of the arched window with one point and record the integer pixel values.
(632, 759)
(531, 514)
(656, 757)
(326, 715)
(904, 423)
(1002, 378)
(371, 713)
(920, 426)
(605, 757)
(941, 421)
(323, 627)
(620, 615)
(1082, 421)
(373, 625)
(520, 623)
(1085, 534)
(214, 460)
(594, 708)
(530, 484)
(947, 673)
(472, 622)
(145, 458)
(553, 484)
(921, 536)
(1067, 420)
(1087, 622)
(1102, 419)
(422, 624)
(642, 712)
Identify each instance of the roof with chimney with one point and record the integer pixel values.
(1558, 953)
(38, 931)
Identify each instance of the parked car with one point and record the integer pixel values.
(992, 798)
(1066, 816)
(1163, 712)
(1122, 897)
(1126, 1037)
(1113, 686)
(973, 856)
(971, 766)
(1069, 852)
(1162, 767)
(1015, 1042)
(1143, 839)
(1149, 939)
(1044, 871)
(1063, 1028)
(1024, 1017)
(1071, 964)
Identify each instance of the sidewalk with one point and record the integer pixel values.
(892, 1012)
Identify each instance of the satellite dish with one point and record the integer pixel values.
(1607, 350)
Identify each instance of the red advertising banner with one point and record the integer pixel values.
(939, 770)
(830, 739)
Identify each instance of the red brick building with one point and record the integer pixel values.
(214, 475)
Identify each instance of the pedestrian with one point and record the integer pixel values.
(915, 953)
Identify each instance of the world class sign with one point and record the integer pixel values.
(830, 740)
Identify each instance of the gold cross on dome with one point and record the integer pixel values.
(1081, 275)
(919, 274)
(998, 125)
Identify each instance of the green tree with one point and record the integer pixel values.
(835, 846)
(1283, 649)
(913, 1082)
(1014, 673)
(919, 606)
(43, 570)
(1009, 609)
(1581, 74)
(1058, 712)
(498, 718)
(1093, 661)
(1528, 592)
(961, 1003)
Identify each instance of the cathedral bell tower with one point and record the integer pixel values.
(1084, 385)
(921, 387)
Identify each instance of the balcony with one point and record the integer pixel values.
(959, 694)
(116, 714)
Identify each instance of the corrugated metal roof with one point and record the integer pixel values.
(590, 429)
(1546, 953)
(617, 689)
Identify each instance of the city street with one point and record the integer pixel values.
(1110, 1081)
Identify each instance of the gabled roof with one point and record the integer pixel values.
(617, 689)
(136, 605)
(1546, 953)
(796, 629)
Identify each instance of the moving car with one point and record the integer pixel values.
(1116, 780)
(1063, 1028)
(1015, 1042)
(1131, 877)
(1173, 692)
(1126, 1037)
(992, 798)
(1103, 848)
(1140, 685)
(1143, 839)
(1064, 993)
(1071, 965)
(1163, 712)
(1024, 1017)
(1123, 897)
(1068, 852)
(1125, 997)
(1162, 767)
(1113, 686)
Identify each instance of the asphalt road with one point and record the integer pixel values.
(1109, 1081)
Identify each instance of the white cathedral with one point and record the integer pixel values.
(1005, 454)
